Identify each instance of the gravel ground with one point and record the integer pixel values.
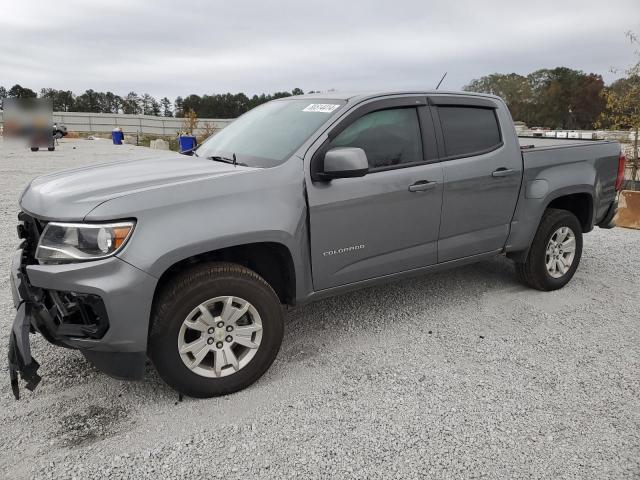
(462, 374)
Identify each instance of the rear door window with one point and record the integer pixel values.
(469, 130)
(388, 137)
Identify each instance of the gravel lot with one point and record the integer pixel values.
(463, 374)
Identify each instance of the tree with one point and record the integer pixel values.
(297, 91)
(165, 106)
(3, 92)
(622, 108)
(89, 101)
(17, 91)
(190, 122)
(179, 112)
(155, 107)
(558, 98)
(62, 100)
(149, 105)
(514, 89)
(131, 104)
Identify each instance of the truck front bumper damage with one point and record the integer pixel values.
(100, 307)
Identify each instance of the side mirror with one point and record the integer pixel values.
(345, 163)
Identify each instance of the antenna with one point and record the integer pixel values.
(445, 74)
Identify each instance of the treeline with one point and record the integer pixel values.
(225, 105)
(556, 98)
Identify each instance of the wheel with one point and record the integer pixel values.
(555, 252)
(35, 149)
(51, 149)
(216, 328)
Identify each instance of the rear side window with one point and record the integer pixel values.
(388, 137)
(469, 130)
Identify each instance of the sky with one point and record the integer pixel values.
(171, 48)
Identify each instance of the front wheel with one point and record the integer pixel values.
(555, 252)
(216, 329)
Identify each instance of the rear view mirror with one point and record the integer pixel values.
(345, 163)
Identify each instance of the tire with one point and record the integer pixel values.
(177, 303)
(35, 149)
(51, 149)
(534, 271)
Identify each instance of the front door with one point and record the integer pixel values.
(387, 221)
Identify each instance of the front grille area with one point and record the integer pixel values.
(29, 231)
(62, 315)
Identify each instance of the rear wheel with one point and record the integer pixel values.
(216, 329)
(35, 149)
(555, 253)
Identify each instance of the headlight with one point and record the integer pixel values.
(74, 242)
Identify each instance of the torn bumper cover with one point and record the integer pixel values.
(100, 308)
(20, 359)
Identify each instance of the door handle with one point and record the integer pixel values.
(503, 172)
(422, 185)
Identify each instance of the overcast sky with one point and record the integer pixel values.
(176, 48)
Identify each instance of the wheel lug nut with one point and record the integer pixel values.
(229, 338)
(219, 344)
(210, 331)
(229, 328)
(220, 324)
(210, 341)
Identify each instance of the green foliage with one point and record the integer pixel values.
(165, 106)
(555, 98)
(622, 108)
(18, 91)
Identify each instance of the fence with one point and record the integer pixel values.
(106, 122)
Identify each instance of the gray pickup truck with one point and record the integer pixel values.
(189, 260)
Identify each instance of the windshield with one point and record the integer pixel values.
(267, 135)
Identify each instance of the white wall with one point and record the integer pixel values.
(106, 122)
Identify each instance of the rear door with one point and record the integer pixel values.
(482, 169)
(387, 221)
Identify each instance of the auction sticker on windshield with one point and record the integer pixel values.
(321, 107)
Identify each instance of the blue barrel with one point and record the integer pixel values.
(117, 136)
(187, 142)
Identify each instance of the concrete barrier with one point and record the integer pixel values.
(628, 214)
(159, 144)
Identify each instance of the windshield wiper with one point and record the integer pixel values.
(232, 161)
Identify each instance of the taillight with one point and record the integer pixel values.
(622, 161)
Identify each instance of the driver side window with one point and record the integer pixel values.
(388, 137)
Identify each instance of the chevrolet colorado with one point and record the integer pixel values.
(189, 260)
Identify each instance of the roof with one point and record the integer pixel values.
(364, 95)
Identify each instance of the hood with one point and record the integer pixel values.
(72, 194)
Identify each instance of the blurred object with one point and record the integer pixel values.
(59, 131)
(30, 119)
(187, 143)
(117, 135)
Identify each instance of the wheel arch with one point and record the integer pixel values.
(273, 261)
(578, 201)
